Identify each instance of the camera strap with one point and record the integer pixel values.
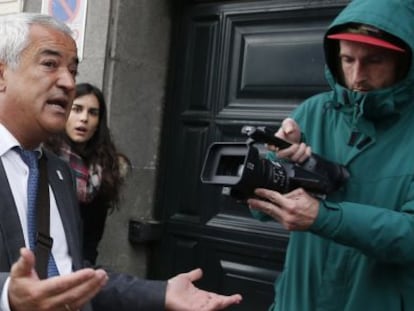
(44, 242)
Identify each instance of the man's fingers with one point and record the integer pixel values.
(286, 129)
(84, 292)
(218, 302)
(222, 302)
(24, 266)
(289, 131)
(266, 207)
(229, 300)
(74, 289)
(195, 274)
(270, 202)
(270, 195)
(300, 153)
(288, 125)
(84, 277)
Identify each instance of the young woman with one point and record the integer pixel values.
(99, 168)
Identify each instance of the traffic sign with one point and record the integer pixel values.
(64, 10)
(72, 13)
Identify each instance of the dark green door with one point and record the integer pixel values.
(233, 63)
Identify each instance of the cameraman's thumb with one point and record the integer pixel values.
(289, 131)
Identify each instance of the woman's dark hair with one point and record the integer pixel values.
(99, 150)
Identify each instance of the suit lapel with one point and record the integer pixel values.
(60, 179)
(10, 226)
(61, 182)
(9, 219)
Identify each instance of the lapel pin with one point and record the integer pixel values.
(59, 174)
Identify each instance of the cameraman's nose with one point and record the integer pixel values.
(358, 77)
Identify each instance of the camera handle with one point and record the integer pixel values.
(263, 135)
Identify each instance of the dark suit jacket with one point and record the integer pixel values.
(123, 292)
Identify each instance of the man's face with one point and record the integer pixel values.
(37, 96)
(366, 67)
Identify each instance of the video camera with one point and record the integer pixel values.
(240, 168)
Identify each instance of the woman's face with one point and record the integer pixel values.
(83, 119)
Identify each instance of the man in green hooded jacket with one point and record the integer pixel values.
(354, 250)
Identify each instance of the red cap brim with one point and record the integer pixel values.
(365, 39)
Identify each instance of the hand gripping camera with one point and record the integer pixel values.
(240, 168)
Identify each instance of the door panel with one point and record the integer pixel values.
(232, 64)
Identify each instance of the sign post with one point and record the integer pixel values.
(73, 14)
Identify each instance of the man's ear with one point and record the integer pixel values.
(2, 77)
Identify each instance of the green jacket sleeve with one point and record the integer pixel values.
(382, 233)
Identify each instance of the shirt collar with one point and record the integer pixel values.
(8, 141)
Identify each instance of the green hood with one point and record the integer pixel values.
(385, 102)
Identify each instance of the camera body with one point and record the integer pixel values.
(241, 167)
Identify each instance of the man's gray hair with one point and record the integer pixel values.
(14, 33)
